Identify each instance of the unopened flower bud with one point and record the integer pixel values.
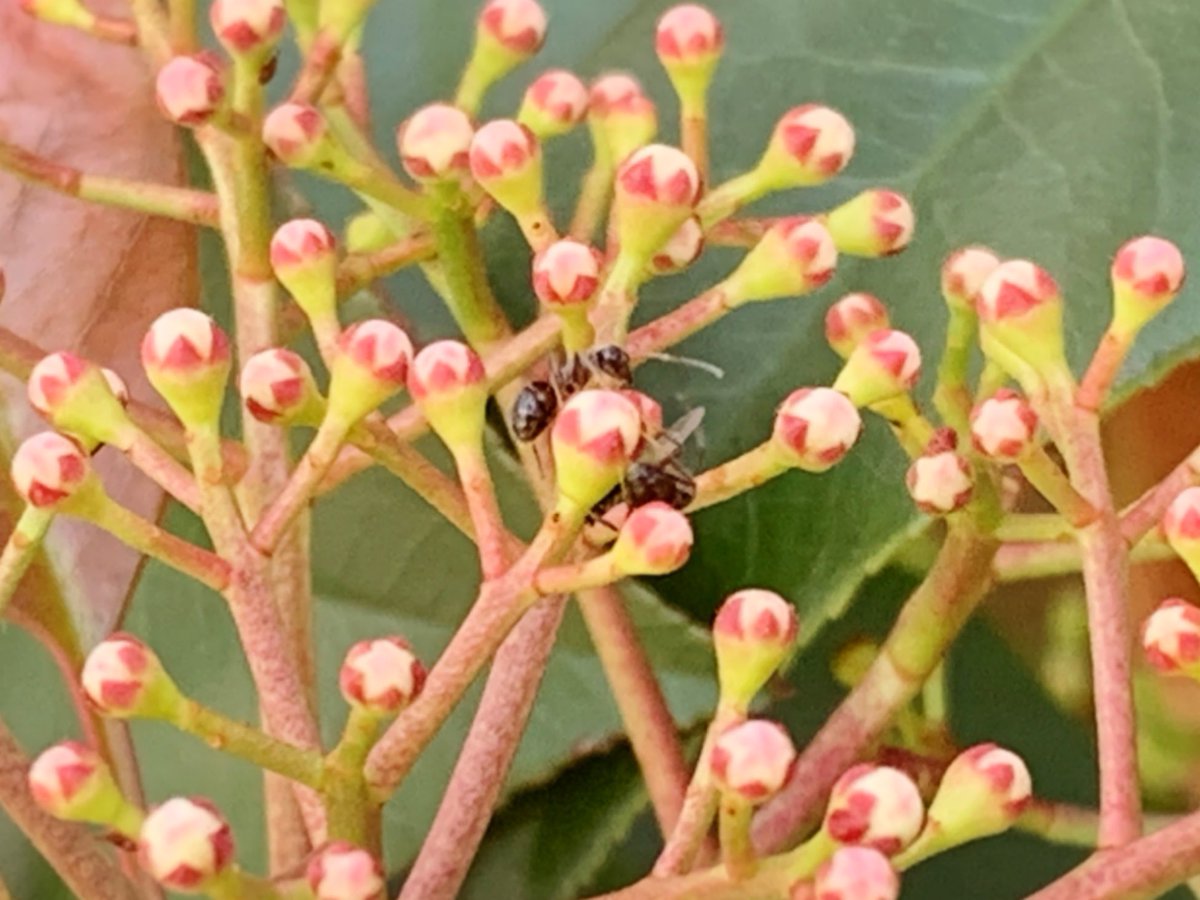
(190, 89)
(884, 365)
(304, 259)
(71, 781)
(1181, 526)
(435, 143)
(877, 222)
(796, 256)
(810, 145)
(381, 676)
(815, 428)
(689, 41)
(277, 386)
(963, 274)
(940, 483)
(752, 759)
(1171, 637)
(982, 793)
(655, 540)
(506, 161)
(656, 191)
(875, 806)
(448, 382)
(594, 436)
(567, 273)
(554, 104)
(186, 357)
(1147, 273)
(1021, 322)
(48, 468)
(516, 26)
(753, 633)
(80, 398)
(123, 678)
(620, 116)
(185, 843)
(342, 871)
(247, 26)
(371, 365)
(298, 136)
(681, 250)
(857, 873)
(851, 319)
(1003, 426)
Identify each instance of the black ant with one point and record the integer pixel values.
(538, 402)
(657, 473)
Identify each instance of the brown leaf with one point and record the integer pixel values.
(83, 277)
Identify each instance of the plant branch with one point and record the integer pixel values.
(358, 270)
(20, 550)
(1046, 559)
(1147, 511)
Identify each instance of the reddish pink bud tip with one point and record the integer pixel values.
(184, 843)
(875, 806)
(616, 92)
(601, 425)
(681, 250)
(688, 33)
(566, 273)
(295, 134)
(118, 673)
(1171, 636)
(1003, 426)
(381, 675)
(817, 139)
(816, 427)
(1182, 519)
(342, 871)
(1149, 268)
(655, 539)
(190, 89)
(275, 384)
(1001, 773)
(64, 777)
(1013, 289)
(444, 367)
(752, 760)
(301, 242)
(52, 380)
(380, 348)
(519, 25)
(660, 174)
(435, 142)
(940, 483)
(502, 148)
(48, 468)
(244, 26)
(857, 873)
(756, 616)
(851, 319)
(964, 272)
(182, 341)
(558, 96)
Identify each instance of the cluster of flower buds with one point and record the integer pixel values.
(381, 676)
(753, 635)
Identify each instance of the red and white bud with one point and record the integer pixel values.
(122, 677)
(1181, 526)
(753, 633)
(449, 383)
(1147, 273)
(982, 793)
(554, 104)
(80, 398)
(1003, 426)
(681, 250)
(875, 806)
(656, 539)
(877, 222)
(71, 781)
(689, 42)
(1021, 322)
(810, 144)
(519, 26)
(185, 843)
(796, 256)
(815, 428)
(277, 386)
(342, 871)
(615, 92)
(594, 437)
(190, 89)
(186, 357)
(247, 26)
(621, 117)
(49, 468)
(435, 143)
(655, 193)
(371, 365)
(567, 273)
(506, 161)
(381, 676)
(884, 365)
(851, 319)
(297, 135)
(304, 259)
(940, 483)
(856, 873)
(1171, 637)
(752, 760)
(963, 274)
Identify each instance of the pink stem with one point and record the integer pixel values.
(1147, 511)
(163, 469)
(678, 324)
(1106, 363)
(490, 535)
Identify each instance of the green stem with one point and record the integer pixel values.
(737, 853)
(1052, 483)
(952, 396)
(594, 195)
(737, 476)
(345, 793)
(20, 550)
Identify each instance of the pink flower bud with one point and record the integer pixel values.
(621, 117)
(371, 365)
(304, 259)
(48, 468)
(851, 319)
(811, 144)
(277, 386)
(122, 677)
(963, 274)
(186, 357)
(940, 483)
(688, 35)
(567, 273)
(435, 143)
(656, 190)
(1020, 318)
(982, 793)
(185, 843)
(341, 871)
(655, 540)
(1181, 525)
(857, 873)
(816, 427)
(594, 437)
(1003, 426)
(517, 25)
(616, 92)
(80, 398)
(506, 161)
(681, 250)
(554, 103)
(449, 383)
(247, 26)
(753, 633)
(71, 781)
(796, 256)
(877, 222)
(884, 365)
(381, 676)
(297, 135)
(875, 806)
(1171, 637)
(752, 760)
(1147, 273)
(190, 89)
